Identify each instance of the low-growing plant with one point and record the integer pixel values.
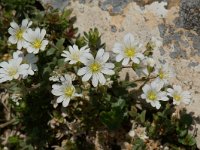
(63, 91)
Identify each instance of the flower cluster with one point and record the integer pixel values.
(25, 37)
(157, 90)
(96, 68)
(20, 66)
(153, 93)
(65, 90)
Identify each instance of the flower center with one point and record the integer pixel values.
(95, 67)
(75, 56)
(129, 52)
(161, 74)
(19, 34)
(177, 97)
(152, 95)
(12, 71)
(69, 91)
(37, 43)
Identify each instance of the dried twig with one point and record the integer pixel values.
(3, 125)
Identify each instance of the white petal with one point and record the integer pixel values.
(105, 57)
(108, 71)
(109, 65)
(143, 96)
(146, 88)
(125, 61)
(43, 32)
(28, 36)
(12, 31)
(128, 39)
(24, 23)
(94, 80)
(56, 86)
(119, 57)
(86, 77)
(65, 103)
(102, 79)
(57, 92)
(4, 64)
(37, 32)
(19, 44)
(60, 99)
(14, 25)
(170, 90)
(44, 43)
(71, 49)
(65, 54)
(157, 104)
(177, 88)
(82, 71)
(12, 39)
(186, 101)
(136, 60)
(139, 55)
(100, 54)
(72, 62)
(75, 47)
(117, 48)
(156, 85)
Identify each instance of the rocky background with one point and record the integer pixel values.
(176, 23)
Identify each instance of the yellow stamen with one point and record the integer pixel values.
(129, 52)
(177, 97)
(75, 56)
(69, 91)
(161, 74)
(12, 71)
(19, 34)
(151, 95)
(37, 43)
(95, 67)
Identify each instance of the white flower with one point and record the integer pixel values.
(75, 54)
(146, 64)
(179, 95)
(96, 67)
(15, 97)
(35, 40)
(17, 32)
(141, 133)
(109, 82)
(129, 51)
(155, 43)
(29, 59)
(164, 73)
(131, 133)
(65, 91)
(12, 69)
(153, 94)
(54, 78)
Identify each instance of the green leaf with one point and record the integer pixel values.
(142, 116)
(59, 43)
(50, 51)
(61, 62)
(189, 140)
(139, 144)
(119, 104)
(13, 140)
(183, 133)
(112, 119)
(186, 120)
(133, 112)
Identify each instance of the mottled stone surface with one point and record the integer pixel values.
(175, 22)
